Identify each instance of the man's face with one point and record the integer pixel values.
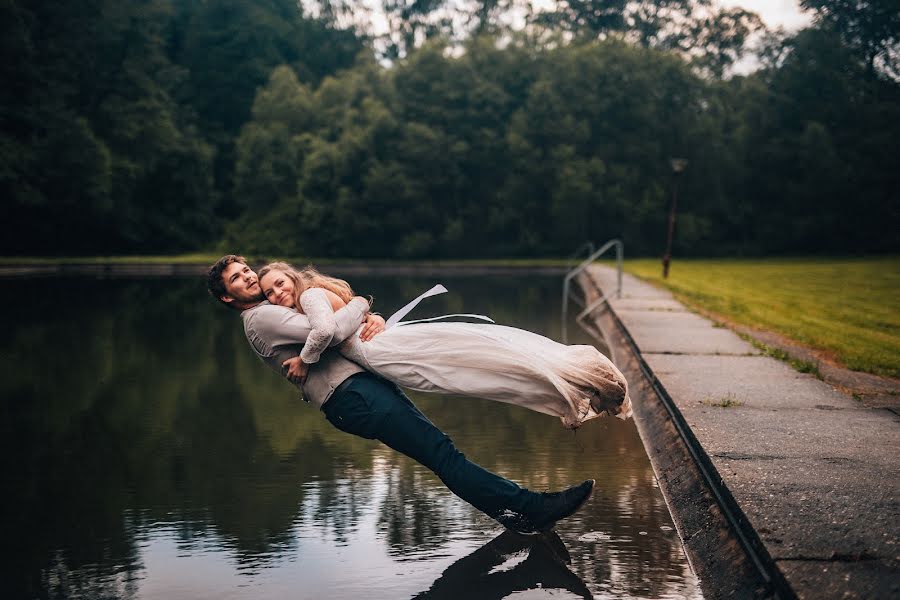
(241, 284)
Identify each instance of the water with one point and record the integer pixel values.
(149, 454)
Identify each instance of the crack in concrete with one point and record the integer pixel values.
(677, 353)
(636, 309)
(738, 456)
(837, 460)
(834, 557)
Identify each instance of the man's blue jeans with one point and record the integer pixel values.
(370, 407)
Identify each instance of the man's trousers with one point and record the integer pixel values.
(370, 407)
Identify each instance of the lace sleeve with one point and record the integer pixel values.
(321, 320)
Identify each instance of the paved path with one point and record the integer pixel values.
(816, 473)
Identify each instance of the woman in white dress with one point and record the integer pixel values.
(574, 383)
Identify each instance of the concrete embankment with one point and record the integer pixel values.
(780, 485)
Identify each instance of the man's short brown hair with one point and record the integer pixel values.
(215, 283)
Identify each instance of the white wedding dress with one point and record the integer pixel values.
(574, 383)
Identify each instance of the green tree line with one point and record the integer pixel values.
(177, 125)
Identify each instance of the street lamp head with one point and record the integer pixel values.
(678, 164)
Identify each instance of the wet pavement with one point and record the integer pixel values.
(815, 471)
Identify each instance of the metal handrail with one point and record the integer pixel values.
(620, 251)
(589, 246)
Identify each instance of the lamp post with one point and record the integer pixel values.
(678, 167)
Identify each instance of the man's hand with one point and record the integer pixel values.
(374, 326)
(297, 370)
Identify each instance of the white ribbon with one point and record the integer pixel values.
(482, 317)
(438, 289)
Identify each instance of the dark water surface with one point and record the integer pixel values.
(149, 454)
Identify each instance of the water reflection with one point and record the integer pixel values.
(509, 563)
(150, 454)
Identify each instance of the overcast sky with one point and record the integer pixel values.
(775, 13)
(785, 13)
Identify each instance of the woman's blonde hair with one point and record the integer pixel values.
(309, 277)
(312, 278)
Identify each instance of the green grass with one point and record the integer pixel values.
(803, 366)
(727, 401)
(847, 307)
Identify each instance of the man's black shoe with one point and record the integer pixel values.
(552, 507)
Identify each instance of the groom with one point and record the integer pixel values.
(361, 403)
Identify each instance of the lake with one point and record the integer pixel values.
(150, 454)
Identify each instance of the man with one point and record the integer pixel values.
(363, 404)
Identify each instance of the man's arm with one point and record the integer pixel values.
(298, 367)
(345, 327)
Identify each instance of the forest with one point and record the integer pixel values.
(434, 129)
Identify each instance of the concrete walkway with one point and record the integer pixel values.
(816, 473)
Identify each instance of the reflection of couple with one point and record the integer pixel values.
(308, 312)
(497, 570)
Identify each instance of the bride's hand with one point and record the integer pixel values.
(297, 370)
(374, 326)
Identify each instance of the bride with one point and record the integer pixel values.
(574, 383)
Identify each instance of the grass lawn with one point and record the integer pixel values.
(848, 307)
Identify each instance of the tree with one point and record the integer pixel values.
(231, 46)
(103, 155)
(819, 147)
(590, 18)
(717, 41)
(712, 38)
(871, 27)
(593, 140)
